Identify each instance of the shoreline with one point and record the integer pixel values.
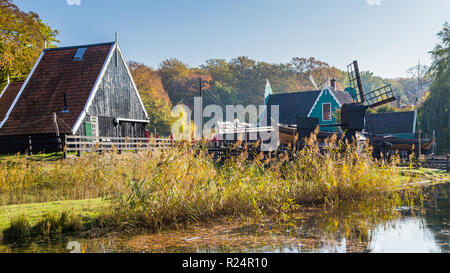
(88, 221)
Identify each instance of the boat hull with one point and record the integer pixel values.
(288, 136)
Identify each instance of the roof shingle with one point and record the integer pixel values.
(293, 104)
(8, 96)
(342, 97)
(391, 123)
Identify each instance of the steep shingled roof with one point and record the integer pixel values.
(55, 74)
(342, 97)
(293, 104)
(391, 123)
(7, 97)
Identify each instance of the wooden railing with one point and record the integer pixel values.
(437, 162)
(245, 130)
(83, 144)
(430, 162)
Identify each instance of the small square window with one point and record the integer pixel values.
(80, 54)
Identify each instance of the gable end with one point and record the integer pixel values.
(94, 90)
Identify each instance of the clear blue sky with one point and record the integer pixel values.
(386, 36)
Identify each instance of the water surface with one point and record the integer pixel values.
(368, 227)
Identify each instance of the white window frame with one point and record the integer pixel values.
(323, 112)
(94, 124)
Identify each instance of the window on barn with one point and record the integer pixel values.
(79, 54)
(94, 122)
(326, 112)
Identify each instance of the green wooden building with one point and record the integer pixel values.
(323, 104)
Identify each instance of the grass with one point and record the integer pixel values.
(35, 212)
(183, 184)
(25, 181)
(35, 157)
(425, 174)
(20, 223)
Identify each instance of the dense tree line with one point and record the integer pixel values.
(434, 111)
(242, 80)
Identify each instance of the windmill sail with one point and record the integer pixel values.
(373, 98)
(381, 96)
(354, 78)
(311, 78)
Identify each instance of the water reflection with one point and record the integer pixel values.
(369, 227)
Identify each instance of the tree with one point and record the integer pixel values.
(170, 71)
(384, 109)
(420, 73)
(22, 38)
(434, 111)
(154, 97)
(219, 70)
(186, 89)
(319, 70)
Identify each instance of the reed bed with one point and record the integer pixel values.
(183, 184)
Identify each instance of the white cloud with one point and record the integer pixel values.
(374, 2)
(73, 2)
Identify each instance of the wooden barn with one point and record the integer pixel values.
(83, 90)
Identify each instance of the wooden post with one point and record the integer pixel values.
(245, 135)
(434, 142)
(65, 147)
(58, 137)
(79, 148)
(448, 164)
(420, 143)
(30, 146)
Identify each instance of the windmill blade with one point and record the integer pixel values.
(311, 78)
(381, 96)
(354, 77)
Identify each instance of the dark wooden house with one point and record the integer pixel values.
(397, 124)
(89, 87)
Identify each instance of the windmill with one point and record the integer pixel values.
(353, 114)
(353, 121)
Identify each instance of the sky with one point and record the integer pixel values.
(386, 36)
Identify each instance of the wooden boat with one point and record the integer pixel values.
(288, 136)
(402, 144)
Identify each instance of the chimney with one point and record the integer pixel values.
(333, 84)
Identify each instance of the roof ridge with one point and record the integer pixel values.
(78, 46)
(387, 113)
(297, 92)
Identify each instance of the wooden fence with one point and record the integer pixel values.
(82, 144)
(437, 162)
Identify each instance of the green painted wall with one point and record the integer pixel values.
(326, 97)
